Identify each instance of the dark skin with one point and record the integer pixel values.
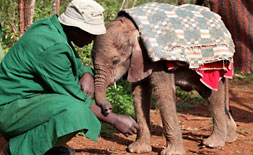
(125, 124)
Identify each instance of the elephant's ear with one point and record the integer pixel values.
(139, 67)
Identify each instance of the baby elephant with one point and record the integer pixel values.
(122, 51)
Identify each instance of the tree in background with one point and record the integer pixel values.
(56, 7)
(18, 15)
(26, 13)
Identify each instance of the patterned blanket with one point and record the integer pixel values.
(188, 33)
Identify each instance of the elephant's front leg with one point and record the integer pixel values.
(141, 99)
(164, 89)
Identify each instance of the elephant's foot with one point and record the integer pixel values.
(140, 147)
(214, 140)
(231, 130)
(173, 149)
(231, 136)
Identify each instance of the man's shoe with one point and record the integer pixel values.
(61, 150)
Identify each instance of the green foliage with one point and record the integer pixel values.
(42, 9)
(121, 98)
(107, 130)
(85, 54)
(8, 16)
(185, 100)
(159, 1)
(246, 77)
(8, 39)
(111, 8)
(243, 131)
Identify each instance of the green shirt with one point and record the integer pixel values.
(42, 61)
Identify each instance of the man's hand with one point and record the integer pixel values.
(86, 83)
(125, 124)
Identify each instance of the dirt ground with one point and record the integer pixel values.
(195, 124)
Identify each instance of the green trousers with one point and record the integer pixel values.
(32, 125)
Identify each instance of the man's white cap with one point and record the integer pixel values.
(86, 15)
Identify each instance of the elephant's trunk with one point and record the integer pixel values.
(101, 83)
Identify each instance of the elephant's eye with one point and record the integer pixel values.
(115, 62)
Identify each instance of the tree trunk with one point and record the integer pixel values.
(122, 4)
(56, 7)
(29, 13)
(134, 3)
(26, 12)
(21, 17)
(179, 2)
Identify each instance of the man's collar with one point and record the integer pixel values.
(55, 21)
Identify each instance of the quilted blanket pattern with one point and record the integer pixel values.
(188, 33)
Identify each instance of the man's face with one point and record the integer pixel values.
(81, 38)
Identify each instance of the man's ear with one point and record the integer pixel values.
(139, 67)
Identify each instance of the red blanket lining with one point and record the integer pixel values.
(210, 73)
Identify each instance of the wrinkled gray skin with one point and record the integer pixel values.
(119, 53)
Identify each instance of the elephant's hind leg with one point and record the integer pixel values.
(164, 89)
(216, 100)
(231, 128)
(142, 98)
(231, 125)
